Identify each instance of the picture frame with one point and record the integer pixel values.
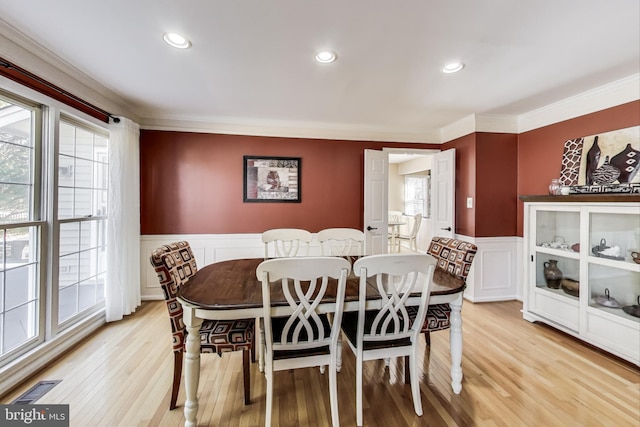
(271, 179)
(608, 162)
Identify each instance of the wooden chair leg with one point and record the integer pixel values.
(177, 375)
(427, 337)
(247, 376)
(253, 348)
(407, 371)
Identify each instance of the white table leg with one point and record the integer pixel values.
(191, 366)
(393, 239)
(455, 339)
(394, 231)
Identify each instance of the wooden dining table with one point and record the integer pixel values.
(231, 290)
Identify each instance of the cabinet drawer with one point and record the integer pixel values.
(557, 309)
(622, 338)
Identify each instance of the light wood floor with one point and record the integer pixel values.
(515, 374)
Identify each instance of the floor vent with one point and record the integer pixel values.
(35, 392)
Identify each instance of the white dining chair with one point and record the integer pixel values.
(281, 243)
(412, 238)
(304, 337)
(344, 242)
(286, 242)
(341, 242)
(394, 329)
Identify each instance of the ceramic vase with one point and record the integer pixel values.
(605, 174)
(552, 274)
(593, 156)
(628, 162)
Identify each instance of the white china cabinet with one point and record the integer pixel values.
(590, 238)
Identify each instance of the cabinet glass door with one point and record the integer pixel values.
(614, 236)
(612, 270)
(557, 252)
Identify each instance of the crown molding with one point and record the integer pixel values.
(286, 129)
(610, 95)
(459, 128)
(496, 123)
(479, 123)
(30, 55)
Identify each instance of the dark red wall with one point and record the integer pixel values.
(191, 183)
(496, 184)
(540, 150)
(486, 170)
(465, 182)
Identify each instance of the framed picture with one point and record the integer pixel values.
(271, 179)
(605, 163)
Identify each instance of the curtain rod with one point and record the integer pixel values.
(6, 64)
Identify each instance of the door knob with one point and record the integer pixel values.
(447, 229)
(369, 228)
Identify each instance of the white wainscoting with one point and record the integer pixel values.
(496, 270)
(207, 248)
(495, 274)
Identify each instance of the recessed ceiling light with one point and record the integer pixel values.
(453, 67)
(325, 56)
(176, 40)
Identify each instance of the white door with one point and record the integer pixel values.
(443, 184)
(376, 184)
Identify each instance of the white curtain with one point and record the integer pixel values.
(123, 235)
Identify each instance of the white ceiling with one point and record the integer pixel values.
(252, 61)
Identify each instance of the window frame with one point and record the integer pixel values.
(35, 219)
(426, 201)
(50, 334)
(57, 222)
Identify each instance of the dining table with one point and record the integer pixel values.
(231, 290)
(394, 230)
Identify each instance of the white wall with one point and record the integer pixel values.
(417, 165)
(396, 189)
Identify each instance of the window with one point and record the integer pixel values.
(417, 195)
(53, 217)
(82, 207)
(20, 228)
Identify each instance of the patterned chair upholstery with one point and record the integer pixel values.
(455, 257)
(175, 264)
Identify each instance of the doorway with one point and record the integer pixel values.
(408, 169)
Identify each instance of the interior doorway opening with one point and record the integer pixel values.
(409, 191)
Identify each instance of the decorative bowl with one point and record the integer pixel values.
(571, 287)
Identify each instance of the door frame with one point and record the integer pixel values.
(389, 150)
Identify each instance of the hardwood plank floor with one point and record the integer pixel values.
(515, 374)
